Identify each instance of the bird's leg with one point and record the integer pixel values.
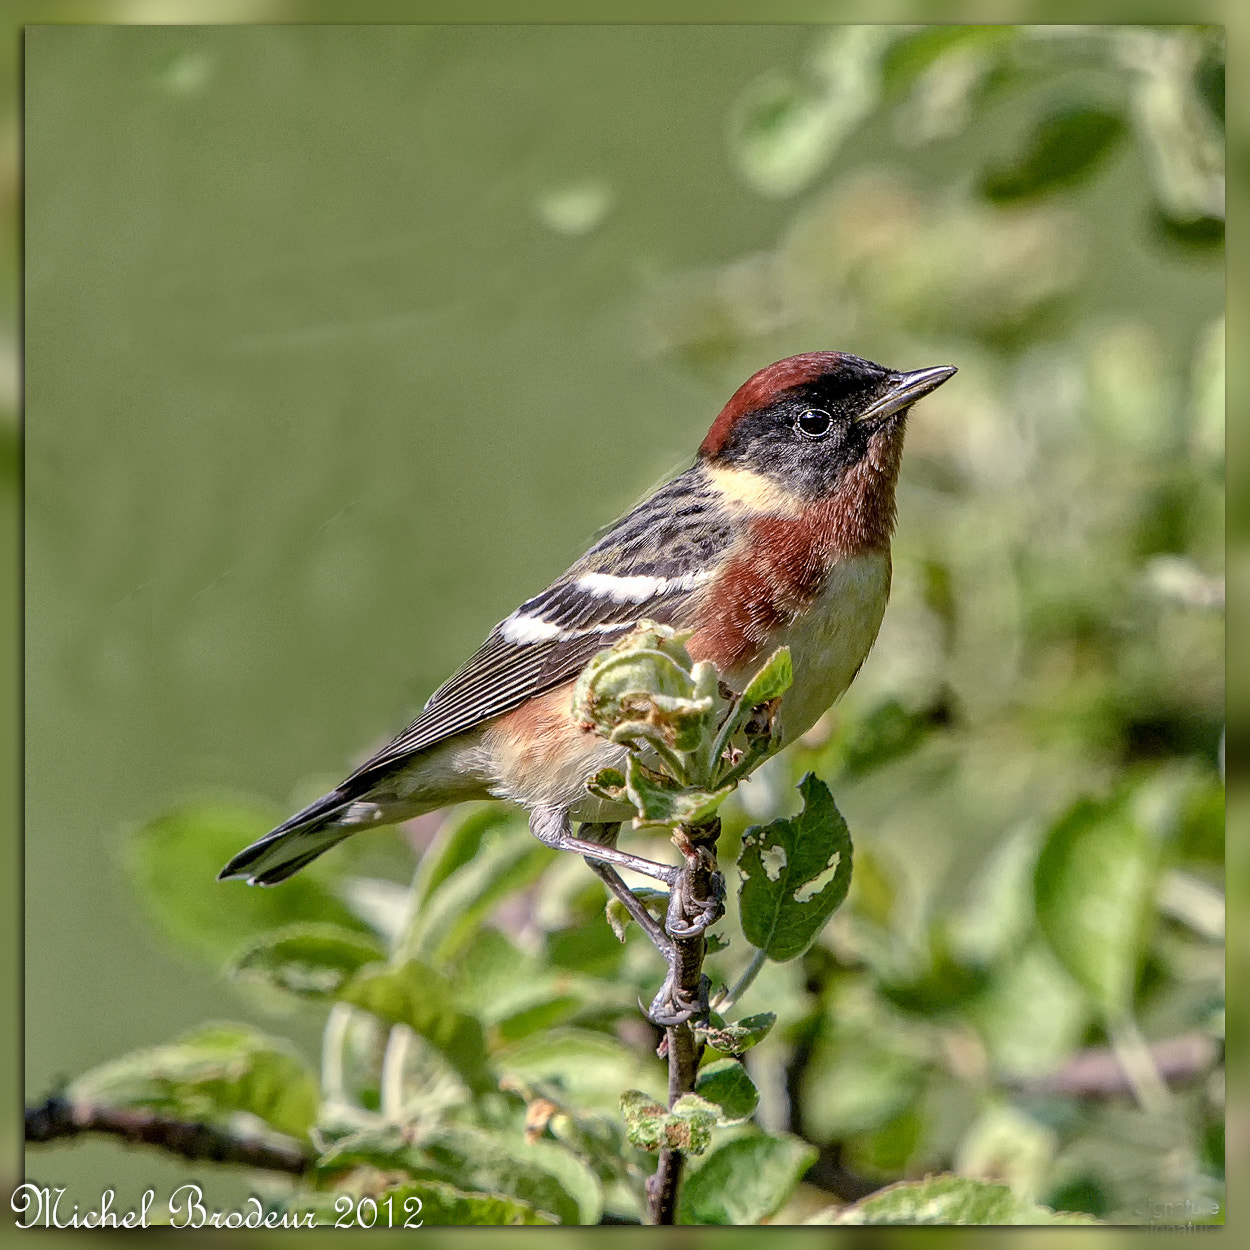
(696, 901)
(606, 834)
(551, 826)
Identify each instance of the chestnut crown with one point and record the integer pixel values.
(807, 419)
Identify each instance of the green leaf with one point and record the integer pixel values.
(745, 1181)
(209, 1075)
(779, 134)
(1200, 232)
(909, 56)
(539, 1017)
(887, 733)
(1200, 835)
(1209, 75)
(385, 906)
(795, 873)
(649, 1125)
(644, 1120)
(608, 783)
(474, 1160)
(311, 960)
(1093, 888)
(542, 1174)
(948, 1200)
(773, 679)
(583, 1068)
(417, 996)
(856, 1081)
(492, 974)
(1033, 1015)
(644, 687)
(784, 131)
(688, 1126)
(422, 1204)
(453, 913)
(587, 948)
(500, 984)
(739, 1037)
(1065, 147)
(1013, 1147)
(174, 861)
(939, 982)
(384, 1147)
(457, 843)
(442, 1204)
(660, 801)
(655, 901)
(726, 1083)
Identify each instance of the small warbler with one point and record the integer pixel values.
(779, 534)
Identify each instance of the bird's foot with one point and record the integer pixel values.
(674, 1005)
(690, 914)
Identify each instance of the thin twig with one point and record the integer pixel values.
(59, 1118)
(333, 1044)
(1097, 1072)
(726, 999)
(1139, 1066)
(391, 1081)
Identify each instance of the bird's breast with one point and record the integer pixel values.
(831, 638)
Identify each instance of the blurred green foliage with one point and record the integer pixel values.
(1025, 985)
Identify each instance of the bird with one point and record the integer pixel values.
(778, 534)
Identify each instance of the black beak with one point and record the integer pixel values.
(905, 389)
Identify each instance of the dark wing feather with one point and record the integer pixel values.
(679, 530)
(498, 678)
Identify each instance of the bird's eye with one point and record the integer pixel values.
(813, 423)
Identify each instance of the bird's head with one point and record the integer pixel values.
(804, 424)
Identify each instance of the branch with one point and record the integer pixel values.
(687, 921)
(1098, 1073)
(58, 1118)
(646, 692)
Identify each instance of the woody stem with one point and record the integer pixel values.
(687, 921)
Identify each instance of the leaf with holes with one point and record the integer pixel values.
(795, 874)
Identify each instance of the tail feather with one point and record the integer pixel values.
(294, 843)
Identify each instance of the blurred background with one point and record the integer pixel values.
(341, 341)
